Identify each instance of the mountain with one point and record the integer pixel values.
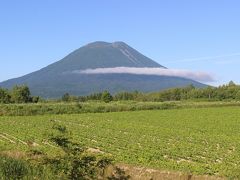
(61, 76)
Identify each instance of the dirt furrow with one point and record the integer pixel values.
(10, 140)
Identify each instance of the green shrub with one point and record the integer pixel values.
(76, 163)
(106, 97)
(13, 168)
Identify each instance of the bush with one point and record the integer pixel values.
(4, 96)
(76, 163)
(13, 168)
(106, 97)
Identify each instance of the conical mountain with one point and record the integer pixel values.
(57, 78)
(103, 55)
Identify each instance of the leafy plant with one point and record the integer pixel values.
(13, 168)
(76, 163)
(106, 97)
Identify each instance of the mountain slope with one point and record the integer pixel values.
(101, 55)
(57, 78)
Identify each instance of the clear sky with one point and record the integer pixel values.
(198, 35)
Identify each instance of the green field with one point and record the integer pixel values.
(196, 140)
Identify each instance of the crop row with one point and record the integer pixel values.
(201, 141)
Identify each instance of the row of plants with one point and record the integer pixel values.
(100, 107)
(76, 108)
(74, 162)
(198, 140)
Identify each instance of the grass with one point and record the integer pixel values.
(101, 107)
(192, 140)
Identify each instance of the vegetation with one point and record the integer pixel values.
(10, 167)
(106, 97)
(198, 141)
(73, 163)
(188, 136)
(4, 96)
(18, 94)
(99, 107)
(231, 91)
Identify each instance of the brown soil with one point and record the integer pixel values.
(141, 173)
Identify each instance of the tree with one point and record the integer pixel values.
(4, 96)
(124, 96)
(106, 97)
(209, 92)
(238, 95)
(20, 94)
(231, 83)
(35, 99)
(66, 97)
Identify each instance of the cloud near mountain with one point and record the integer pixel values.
(100, 66)
(197, 76)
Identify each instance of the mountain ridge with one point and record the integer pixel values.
(53, 81)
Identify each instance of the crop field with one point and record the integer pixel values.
(192, 140)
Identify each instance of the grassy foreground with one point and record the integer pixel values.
(200, 141)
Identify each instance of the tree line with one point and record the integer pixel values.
(230, 91)
(18, 94)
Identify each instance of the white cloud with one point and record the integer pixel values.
(198, 76)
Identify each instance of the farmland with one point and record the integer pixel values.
(191, 140)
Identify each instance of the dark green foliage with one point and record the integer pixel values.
(106, 97)
(66, 97)
(13, 168)
(127, 96)
(35, 99)
(225, 92)
(238, 95)
(4, 96)
(76, 163)
(94, 96)
(20, 94)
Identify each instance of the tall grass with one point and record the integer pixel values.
(13, 168)
(101, 107)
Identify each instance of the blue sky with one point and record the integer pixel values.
(199, 35)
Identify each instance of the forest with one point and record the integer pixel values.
(227, 92)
